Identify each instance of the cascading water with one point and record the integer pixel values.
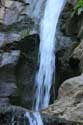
(44, 75)
(34, 118)
(47, 52)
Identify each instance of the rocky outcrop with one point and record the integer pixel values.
(18, 42)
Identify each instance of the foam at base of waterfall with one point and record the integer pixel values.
(34, 118)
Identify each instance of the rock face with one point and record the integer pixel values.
(8, 88)
(18, 42)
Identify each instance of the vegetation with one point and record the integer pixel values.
(79, 7)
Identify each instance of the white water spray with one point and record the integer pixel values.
(46, 70)
(34, 118)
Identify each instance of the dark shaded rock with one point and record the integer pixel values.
(26, 69)
(64, 69)
(25, 82)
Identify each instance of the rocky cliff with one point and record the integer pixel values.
(19, 41)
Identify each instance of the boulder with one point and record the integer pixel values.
(69, 104)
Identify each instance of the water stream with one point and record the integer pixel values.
(34, 118)
(44, 76)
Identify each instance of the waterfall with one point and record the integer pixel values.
(47, 52)
(44, 76)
